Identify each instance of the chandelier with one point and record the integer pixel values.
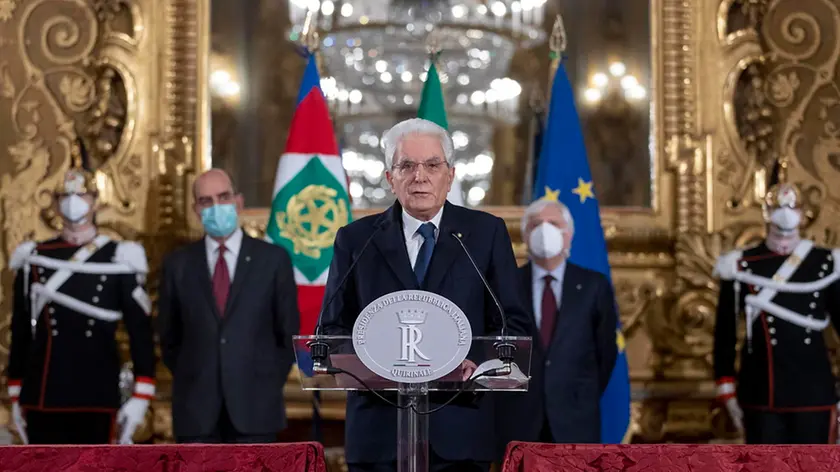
(376, 54)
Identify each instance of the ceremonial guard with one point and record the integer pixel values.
(69, 295)
(788, 290)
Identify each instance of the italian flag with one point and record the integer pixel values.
(432, 108)
(310, 197)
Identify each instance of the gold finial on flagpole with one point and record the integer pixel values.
(557, 43)
(558, 39)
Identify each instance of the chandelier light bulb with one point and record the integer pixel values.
(629, 82)
(406, 76)
(592, 95)
(459, 11)
(314, 5)
(618, 69)
(355, 97)
(498, 8)
(327, 8)
(600, 80)
(381, 66)
(386, 77)
(346, 10)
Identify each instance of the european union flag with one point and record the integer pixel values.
(563, 174)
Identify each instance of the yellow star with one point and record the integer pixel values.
(553, 195)
(584, 190)
(619, 340)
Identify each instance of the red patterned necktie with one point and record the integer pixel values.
(549, 312)
(221, 281)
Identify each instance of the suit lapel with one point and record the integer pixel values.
(199, 256)
(569, 304)
(240, 276)
(391, 243)
(447, 248)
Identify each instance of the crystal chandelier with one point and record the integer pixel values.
(376, 53)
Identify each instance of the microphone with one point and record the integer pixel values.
(505, 349)
(319, 350)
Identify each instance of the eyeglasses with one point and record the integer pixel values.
(432, 167)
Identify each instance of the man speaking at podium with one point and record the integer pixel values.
(413, 245)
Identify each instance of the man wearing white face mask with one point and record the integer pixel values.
(70, 293)
(574, 350)
(787, 289)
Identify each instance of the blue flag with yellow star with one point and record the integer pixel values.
(563, 172)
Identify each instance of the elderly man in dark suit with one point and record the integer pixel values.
(414, 247)
(574, 319)
(227, 314)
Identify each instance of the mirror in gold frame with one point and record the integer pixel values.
(254, 71)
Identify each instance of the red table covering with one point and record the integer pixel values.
(290, 457)
(533, 457)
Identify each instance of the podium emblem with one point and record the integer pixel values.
(412, 336)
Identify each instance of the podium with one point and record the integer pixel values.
(345, 367)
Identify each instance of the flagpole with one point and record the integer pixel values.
(557, 43)
(311, 43)
(537, 106)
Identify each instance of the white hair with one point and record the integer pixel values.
(538, 206)
(391, 139)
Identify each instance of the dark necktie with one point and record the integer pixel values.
(549, 312)
(421, 265)
(221, 281)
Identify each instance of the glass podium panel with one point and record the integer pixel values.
(354, 375)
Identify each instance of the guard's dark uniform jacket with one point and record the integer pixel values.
(68, 301)
(784, 366)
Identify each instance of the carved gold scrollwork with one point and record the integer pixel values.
(802, 85)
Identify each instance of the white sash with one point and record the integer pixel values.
(754, 304)
(82, 267)
(51, 286)
(46, 293)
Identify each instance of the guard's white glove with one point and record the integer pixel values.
(130, 417)
(736, 413)
(726, 395)
(17, 411)
(132, 413)
(20, 422)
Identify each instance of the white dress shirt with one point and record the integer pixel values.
(413, 239)
(538, 283)
(232, 246)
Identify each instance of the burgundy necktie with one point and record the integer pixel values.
(221, 281)
(549, 312)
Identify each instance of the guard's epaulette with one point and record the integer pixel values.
(727, 264)
(21, 254)
(133, 255)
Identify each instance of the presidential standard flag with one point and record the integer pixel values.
(310, 204)
(432, 108)
(310, 196)
(563, 174)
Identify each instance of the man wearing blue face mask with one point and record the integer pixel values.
(574, 351)
(71, 292)
(787, 289)
(227, 314)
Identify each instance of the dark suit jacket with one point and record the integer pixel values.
(242, 358)
(568, 378)
(457, 432)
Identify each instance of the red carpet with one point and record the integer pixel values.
(293, 457)
(530, 457)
